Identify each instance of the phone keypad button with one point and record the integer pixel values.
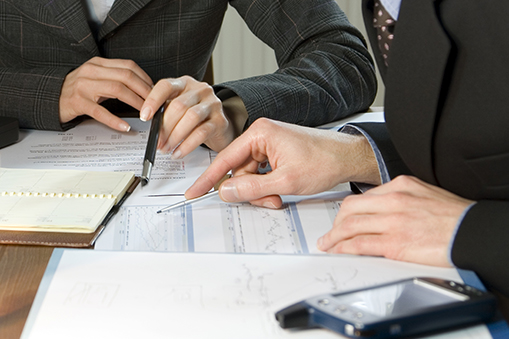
(340, 309)
(323, 302)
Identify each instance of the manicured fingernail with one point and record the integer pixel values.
(145, 113)
(125, 127)
(176, 155)
(229, 192)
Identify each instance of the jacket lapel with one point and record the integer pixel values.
(417, 64)
(71, 15)
(121, 11)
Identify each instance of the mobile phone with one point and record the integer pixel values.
(402, 308)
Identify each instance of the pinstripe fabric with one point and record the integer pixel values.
(325, 70)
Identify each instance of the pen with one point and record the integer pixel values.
(190, 201)
(150, 152)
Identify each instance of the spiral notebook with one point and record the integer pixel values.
(59, 207)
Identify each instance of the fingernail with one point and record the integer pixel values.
(176, 155)
(269, 204)
(229, 192)
(125, 127)
(145, 113)
(319, 243)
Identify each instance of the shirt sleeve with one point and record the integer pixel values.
(382, 168)
(385, 178)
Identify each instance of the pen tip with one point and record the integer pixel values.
(144, 181)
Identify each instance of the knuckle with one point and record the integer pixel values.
(96, 113)
(95, 59)
(262, 126)
(81, 85)
(126, 74)
(203, 132)
(129, 64)
(349, 225)
(187, 78)
(194, 115)
(178, 105)
(87, 68)
(404, 180)
(398, 197)
(205, 88)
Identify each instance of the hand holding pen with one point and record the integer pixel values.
(194, 116)
(207, 195)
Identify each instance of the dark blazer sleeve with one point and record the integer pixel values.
(325, 71)
(481, 243)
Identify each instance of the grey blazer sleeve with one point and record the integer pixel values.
(325, 71)
(32, 96)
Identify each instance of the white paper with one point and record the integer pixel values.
(95, 294)
(92, 146)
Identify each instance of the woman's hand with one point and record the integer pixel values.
(194, 116)
(97, 80)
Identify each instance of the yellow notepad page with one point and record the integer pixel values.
(58, 200)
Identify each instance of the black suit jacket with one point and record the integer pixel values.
(447, 117)
(325, 71)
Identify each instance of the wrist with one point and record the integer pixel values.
(358, 159)
(235, 110)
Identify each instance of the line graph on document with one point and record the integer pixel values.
(260, 230)
(140, 228)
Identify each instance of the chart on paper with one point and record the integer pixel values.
(220, 227)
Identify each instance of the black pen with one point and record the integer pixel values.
(150, 152)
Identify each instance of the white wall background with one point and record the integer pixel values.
(239, 54)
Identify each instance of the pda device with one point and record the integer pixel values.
(399, 309)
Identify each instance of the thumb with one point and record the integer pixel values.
(249, 187)
(236, 190)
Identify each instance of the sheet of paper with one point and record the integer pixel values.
(94, 294)
(95, 147)
(214, 226)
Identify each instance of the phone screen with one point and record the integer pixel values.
(399, 299)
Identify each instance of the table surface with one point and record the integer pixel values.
(21, 271)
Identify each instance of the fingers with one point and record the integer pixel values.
(162, 92)
(125, 65)
(102, 115)
(351, 227)
(99, 79)
(243, 156)
(193, 116)
(121, 75)
(406, 219)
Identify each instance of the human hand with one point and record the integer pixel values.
(194, 116)
(304, 161)
(97, 80)
(405, 219)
